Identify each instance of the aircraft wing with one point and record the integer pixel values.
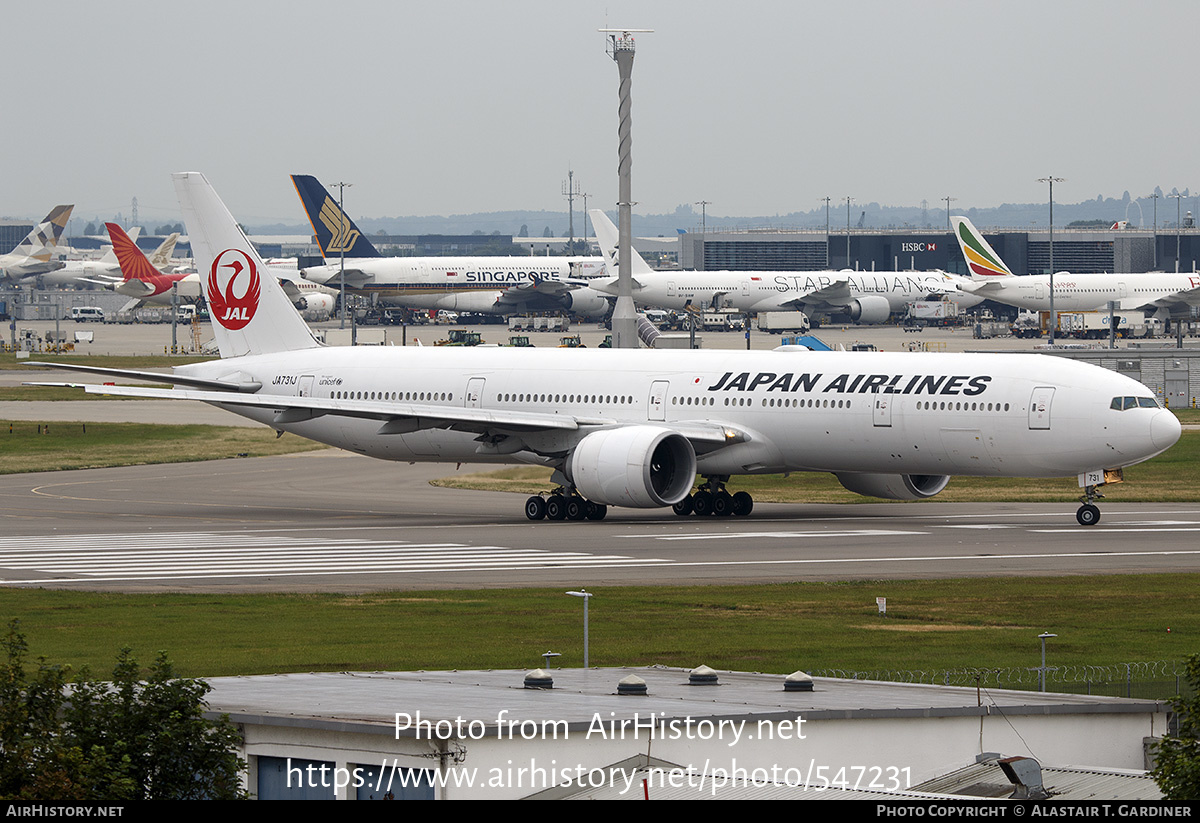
(231, 385)
(1178, 302)
(403, 418)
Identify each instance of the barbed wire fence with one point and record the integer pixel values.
(1155, 680)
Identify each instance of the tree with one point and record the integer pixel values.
(128, 739)
(1177, 766)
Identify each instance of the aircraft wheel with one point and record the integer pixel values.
(743, 504)
(556, 507)
(702, 504)
(535, 508)
(684, 507)
(596, 511)
(1088, 515)
(576, 509)
(722, 504)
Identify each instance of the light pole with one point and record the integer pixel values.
(1178, 226)
(703, 204)
(826, 199)
(848, 201)
(948, 199)
(1053, 316)
(342, 246)
(586, 595)
(1044, 636)
(1154, 195)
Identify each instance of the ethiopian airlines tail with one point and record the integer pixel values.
(250, 312)
(335, 231)
(982, 259)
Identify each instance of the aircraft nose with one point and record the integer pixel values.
(1165, 430)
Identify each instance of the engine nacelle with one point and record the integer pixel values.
(587, 302)
(316, 302)
(894, 486)
(870, 310)
(638, 466)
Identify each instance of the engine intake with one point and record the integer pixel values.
(870, 310)
(894, 486)
(637, 466)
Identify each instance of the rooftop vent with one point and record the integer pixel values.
(538, 679)
(797, 682)
(702, 676)
(631, 685)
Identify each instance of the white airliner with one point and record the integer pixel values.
(35, 254)
(485, 285)
(1160, 293)
(868, 297)
(106, 270)
(635, 427)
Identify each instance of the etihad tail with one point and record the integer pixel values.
(40, 243)
(335, 232)
(982, 260)
(250, 312)
(161, 258)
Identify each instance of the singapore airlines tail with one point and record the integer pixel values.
(981, 258)
(335, 231)
(250, 312)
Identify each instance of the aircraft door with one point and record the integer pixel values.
(473, 397)
(882, 412)
(670, 288)
(657, 407)
(305, 387)
(1039, 407)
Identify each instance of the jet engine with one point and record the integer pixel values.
(587, 302)
(869, 310)
(637, 466)
(894, 486)
(318, 302)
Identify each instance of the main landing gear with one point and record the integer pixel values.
(1089, 513)
(711, 498)
(563, 504)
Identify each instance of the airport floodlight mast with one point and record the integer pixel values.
(703, 204)
(571, 191)
(849, 200)
(341, 187)
(1053, 317)
(1178, 197)
(1154, 196)
(624, 320)
(949, 200)
(826, 198)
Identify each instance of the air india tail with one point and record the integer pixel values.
(982, 259)
(250, 313)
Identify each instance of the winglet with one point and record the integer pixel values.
(335, 231)
(982, 259)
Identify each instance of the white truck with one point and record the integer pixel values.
(779, 322)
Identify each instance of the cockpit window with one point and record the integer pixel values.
(1122, 403)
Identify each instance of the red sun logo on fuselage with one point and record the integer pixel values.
(227, 307)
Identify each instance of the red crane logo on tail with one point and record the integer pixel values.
(230, 310)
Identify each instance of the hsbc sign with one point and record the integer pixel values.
(918, 247)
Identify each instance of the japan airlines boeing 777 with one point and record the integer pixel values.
(1159, 293)
(485, 285)
(867, 297)
(635, 427)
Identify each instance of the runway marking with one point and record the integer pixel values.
(165, 556)
(776, 535)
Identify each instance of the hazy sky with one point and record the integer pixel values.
(453, 107)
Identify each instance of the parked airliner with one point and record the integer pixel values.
(485, 285)
(635, 427)
(35, 254)
(867, 297)
(1159, 293)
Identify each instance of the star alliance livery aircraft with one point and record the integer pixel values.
(635, 428)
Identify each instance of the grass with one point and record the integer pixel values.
(9, 361)
(989, 623)
(28, 447)
(31, 393)
(1170, 477)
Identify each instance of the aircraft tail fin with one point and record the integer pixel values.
(132, 260)
(40, 243)
(250, 312)
(161, 258)
(607, 237)
(335, 231)
(982, 260)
